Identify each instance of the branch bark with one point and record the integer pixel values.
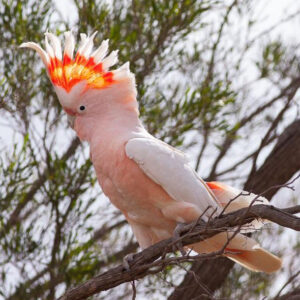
(288, 92)
(282, 163)
(293, 295)
(153, 259)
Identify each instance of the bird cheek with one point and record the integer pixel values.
(80, 128)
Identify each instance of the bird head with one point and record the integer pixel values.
(83, 82)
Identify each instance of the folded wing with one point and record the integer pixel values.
(169, 168)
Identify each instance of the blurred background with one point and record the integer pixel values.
(216, 79)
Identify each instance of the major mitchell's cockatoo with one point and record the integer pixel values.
(149, 181)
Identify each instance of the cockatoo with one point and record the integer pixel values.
(149, 181)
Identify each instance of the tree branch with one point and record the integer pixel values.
(293, 295)
(14, 218)
(281, 164)
(153, 259)
(290, 280)
(287, 92)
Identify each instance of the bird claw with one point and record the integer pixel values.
(127, 260)
(179, 229)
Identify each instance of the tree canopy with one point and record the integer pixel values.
(213, 79)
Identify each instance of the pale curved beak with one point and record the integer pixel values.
(71, 116)
(71, 120)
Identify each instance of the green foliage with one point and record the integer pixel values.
(56, 229)
(206, 107)
(272, 56)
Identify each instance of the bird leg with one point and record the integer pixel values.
(127, 260)
(179, 229)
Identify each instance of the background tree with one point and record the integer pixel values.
(213, 79)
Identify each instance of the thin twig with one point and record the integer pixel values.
(286, 284)
(150, 260)
(133, 290)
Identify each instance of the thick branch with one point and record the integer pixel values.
(153, 259)
(288, 92)
(282, 163)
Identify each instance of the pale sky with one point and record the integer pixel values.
(271, 11)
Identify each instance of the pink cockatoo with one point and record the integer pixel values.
(149, 181)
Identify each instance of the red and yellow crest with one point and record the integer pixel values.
(91, 67)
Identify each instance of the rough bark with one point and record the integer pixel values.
(153, 259)
(293, 295)
(282, 163)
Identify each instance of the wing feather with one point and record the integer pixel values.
(169, 168)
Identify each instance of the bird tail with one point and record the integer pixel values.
(232, 199)
(259, 260)
(242, 250)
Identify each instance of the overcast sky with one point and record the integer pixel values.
(269, 11)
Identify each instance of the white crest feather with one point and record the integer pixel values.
(53, 50)
(110, 60)
(101, 52)
(88, 47)
(122, 72)
(43, 54)
(69, 44)
(55, 43)
(83, 41)
(49, 49)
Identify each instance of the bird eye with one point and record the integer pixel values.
(82, 107)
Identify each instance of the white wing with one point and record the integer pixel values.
(169, 168)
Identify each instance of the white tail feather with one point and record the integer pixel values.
(249, 254)
(234, 199)
(259, 260)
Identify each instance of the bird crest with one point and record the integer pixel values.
(66, 71)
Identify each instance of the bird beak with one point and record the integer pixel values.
(71, 120)
(71, 116)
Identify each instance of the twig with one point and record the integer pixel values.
(150, 260)
(15, 215)
(133, 290)
(286, 284)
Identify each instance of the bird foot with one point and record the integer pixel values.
(179, 229)
(127, 260)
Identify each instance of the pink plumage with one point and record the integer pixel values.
(149, 181)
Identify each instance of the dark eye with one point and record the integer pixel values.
(82, 107)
